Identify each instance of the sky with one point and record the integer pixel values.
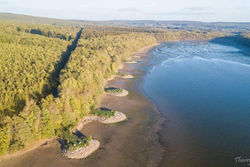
(196, 10)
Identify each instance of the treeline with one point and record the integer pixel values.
(52, 31)
(186, 35)
(162, 34)
(62, 32)
(29, 111)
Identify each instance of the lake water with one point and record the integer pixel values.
(203, 90)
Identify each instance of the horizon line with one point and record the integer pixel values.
(160, 20)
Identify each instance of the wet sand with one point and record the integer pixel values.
(134, 142)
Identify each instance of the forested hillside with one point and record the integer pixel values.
(163, 35)
(37, 59)
(27, 62)
(29, 111)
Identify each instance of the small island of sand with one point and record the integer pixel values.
(83, 152)
(131, 62)
(128, 76)
(124, 75)
(117, 117)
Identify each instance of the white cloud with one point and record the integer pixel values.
(203, 10)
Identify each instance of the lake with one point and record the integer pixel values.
(203, 91)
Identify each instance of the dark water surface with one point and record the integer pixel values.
(203, 89)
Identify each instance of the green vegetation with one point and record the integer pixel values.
(61, 32)
(73, 142)
(163, 35)
(103, 112)
(27, 66)
(121, 74)
(113, 90)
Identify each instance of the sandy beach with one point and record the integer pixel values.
(128, 76)
(131, 62)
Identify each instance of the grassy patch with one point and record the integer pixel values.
(113, 90)
(73, 142)
(122, 74)
(104, 112)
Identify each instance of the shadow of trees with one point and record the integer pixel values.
(54, 77)
(233, 40)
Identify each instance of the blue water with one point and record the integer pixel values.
(203, 90)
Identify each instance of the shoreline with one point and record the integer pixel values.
(94, 144)
(31, 146)
(158, 150)
(83, 152)
(155, 149)
(118, 117)
(140, 54)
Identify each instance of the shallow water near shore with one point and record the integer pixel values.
(203, 90)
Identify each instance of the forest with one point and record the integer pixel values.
(33, 64)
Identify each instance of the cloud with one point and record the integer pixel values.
(197, 8)
(192, 11)
(127, 10)
(4, 2)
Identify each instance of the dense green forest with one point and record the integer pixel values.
(37, 59)
(27, 62)
(29, 111)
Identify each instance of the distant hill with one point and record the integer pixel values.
(188, 25)
(30, 19)
(183, 25)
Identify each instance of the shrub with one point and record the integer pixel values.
(73, 142)
(113, 90)
(104, 112)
